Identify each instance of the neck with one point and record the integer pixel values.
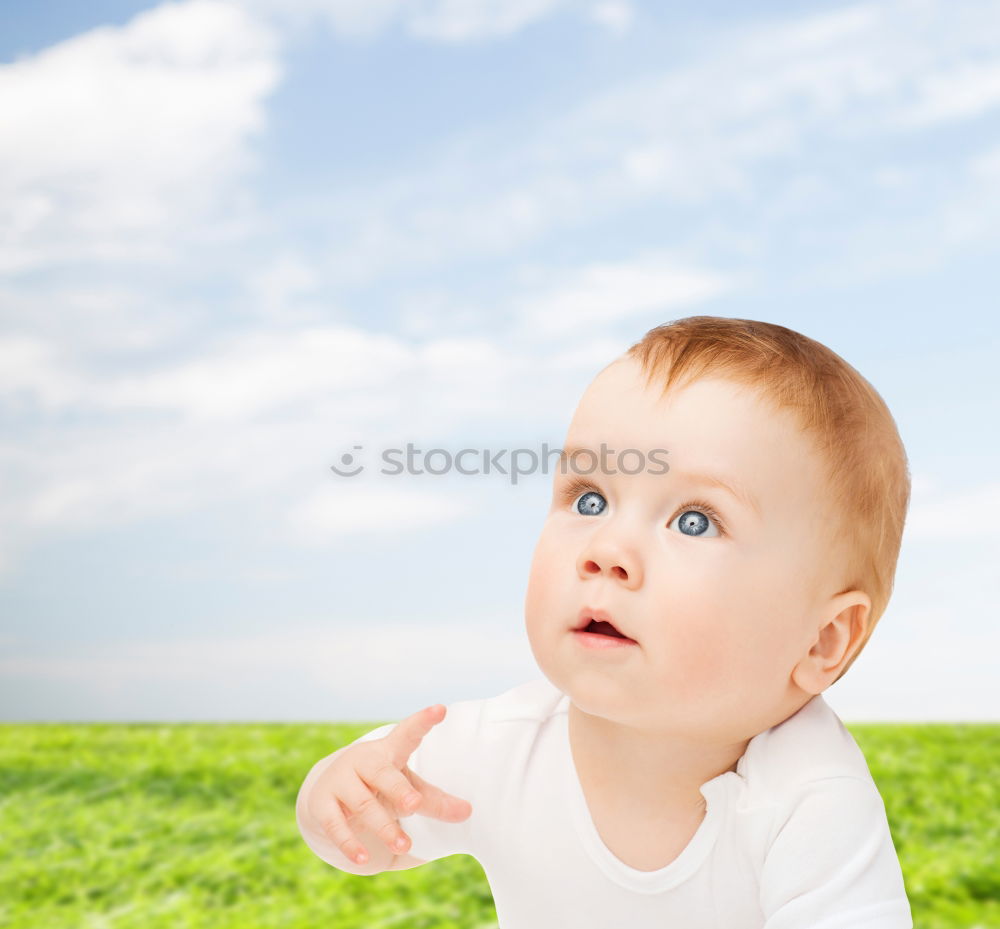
(643, 772)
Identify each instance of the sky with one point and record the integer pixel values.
(240, 240)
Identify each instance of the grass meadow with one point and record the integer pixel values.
(193, 825)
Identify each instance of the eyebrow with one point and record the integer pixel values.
(733, 487)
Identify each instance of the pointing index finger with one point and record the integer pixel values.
(409, 733)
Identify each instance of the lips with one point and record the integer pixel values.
(598, 621)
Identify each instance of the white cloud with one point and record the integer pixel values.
(31, 374)
(256, 372)
(317, 374)
(578, 362)
(614, 15)
(972, 513)
(116, 142)
(921, 484)
(604, 294)
(922, 664)
(465, 20)
(759, 120)
(449, 21)
(986, 165)
(347, 668)
(245, 375)
(107, 318)
(933, 654)
(352, 18)
(346, 510)
(86, 477)
(962, 91)
(445, 215)
(283, 284)
(259, 416)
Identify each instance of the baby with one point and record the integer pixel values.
(688, 603)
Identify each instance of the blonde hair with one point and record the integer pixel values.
(844, 416)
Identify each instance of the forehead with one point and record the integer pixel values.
(619, 395)
(713, 425)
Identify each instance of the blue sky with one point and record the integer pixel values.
(238, 239)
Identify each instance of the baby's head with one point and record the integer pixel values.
(742, 604)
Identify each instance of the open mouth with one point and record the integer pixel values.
(603, 628)
(595, 625)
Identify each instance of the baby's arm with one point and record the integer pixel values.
(832, 862)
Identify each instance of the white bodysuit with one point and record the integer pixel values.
(795, 838)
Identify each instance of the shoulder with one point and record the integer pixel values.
(809, 746)
(829, 849)
(514, 716)
(477, 723)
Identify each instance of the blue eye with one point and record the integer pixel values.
(695, 519)
(590, 504)
(695, 523)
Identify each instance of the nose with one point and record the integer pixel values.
(607, 554)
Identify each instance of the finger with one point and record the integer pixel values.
(437, 803)
(330, 815)
(385, 778)
(363, 806)
(408, 734)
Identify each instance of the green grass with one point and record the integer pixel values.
(193, 825)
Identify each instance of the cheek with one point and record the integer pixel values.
(692, 633)
(543, 579)
(766, 610)
(731, 623)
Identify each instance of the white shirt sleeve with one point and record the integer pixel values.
(832, 864)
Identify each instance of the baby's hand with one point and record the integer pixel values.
(359, 797)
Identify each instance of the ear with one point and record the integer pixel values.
(843, 626)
